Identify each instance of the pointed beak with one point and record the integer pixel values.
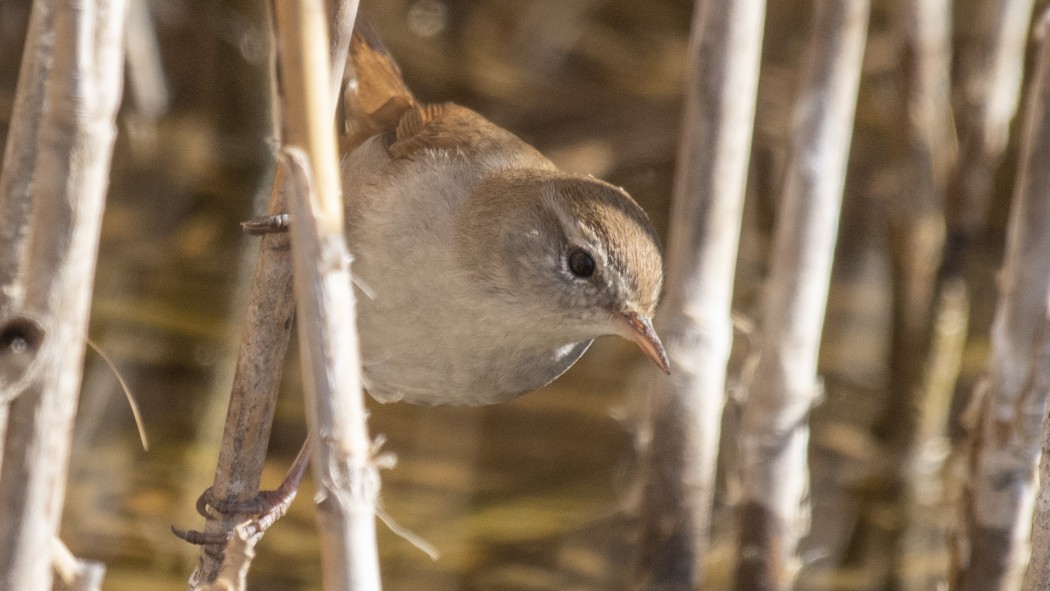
(639, 329)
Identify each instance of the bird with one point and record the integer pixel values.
(483, 271)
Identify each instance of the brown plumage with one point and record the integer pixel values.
(485, 271)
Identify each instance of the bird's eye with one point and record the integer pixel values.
(581, 263)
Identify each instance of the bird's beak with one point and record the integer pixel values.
(639, 329)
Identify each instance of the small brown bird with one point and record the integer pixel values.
(484, 271)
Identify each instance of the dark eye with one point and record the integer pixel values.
(581, 263)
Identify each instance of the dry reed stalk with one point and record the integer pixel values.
(49, 264)
(20, 154)
(260, 361)
(257, 377)
(1037, 185)
(916, 224)
(346, 478)
(990, 76)
(929, 318)
(342, 14)
(694, 319)
(75, 574)
(774, 432)
(146, 79)
(1010, 401)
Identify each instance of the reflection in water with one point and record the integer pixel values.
(528, 494)
(533, 494)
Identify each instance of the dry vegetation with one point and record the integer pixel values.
(544, 492)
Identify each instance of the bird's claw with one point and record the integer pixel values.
(264, 509)
(262, 503)
(200, 538)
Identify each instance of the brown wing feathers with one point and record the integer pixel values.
(376, 96)
(377, 101)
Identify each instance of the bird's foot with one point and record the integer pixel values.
(265, 508)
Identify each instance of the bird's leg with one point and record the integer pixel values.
(266, 501)
(266, 224)
(267, 506)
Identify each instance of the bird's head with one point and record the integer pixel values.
(576, 254)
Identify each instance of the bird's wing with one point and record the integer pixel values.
(449, 127)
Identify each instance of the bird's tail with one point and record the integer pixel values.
(375, 96)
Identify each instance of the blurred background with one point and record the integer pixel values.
(539, 493)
